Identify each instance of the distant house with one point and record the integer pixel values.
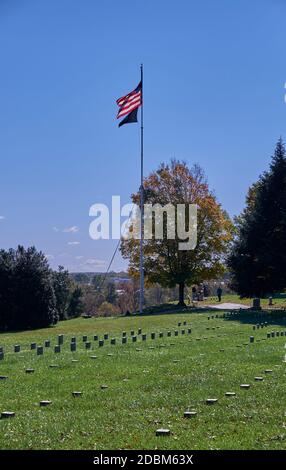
(121, 279)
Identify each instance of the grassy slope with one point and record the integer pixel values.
(126, 415)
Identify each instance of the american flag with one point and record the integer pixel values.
(130, 101)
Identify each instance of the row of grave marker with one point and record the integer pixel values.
(101, 342)
(73, 344)
(161, 431)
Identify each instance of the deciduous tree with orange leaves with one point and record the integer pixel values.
(164, 262)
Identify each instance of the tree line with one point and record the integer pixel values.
(250, 248)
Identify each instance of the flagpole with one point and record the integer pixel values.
(141, 302)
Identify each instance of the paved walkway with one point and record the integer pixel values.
(227, 306)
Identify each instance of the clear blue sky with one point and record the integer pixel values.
(214, 94)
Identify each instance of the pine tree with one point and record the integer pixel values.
(27, 297)
(258, 258)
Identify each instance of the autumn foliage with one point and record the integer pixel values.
(164, 263)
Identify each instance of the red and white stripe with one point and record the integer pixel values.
(129, 102)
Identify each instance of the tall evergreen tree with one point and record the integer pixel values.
(26, 290)
(76, 306)
(62, 287)
(258, 257)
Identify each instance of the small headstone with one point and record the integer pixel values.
(57, 349)
(246, 386)
(268, 371)
(74, 360)
(277, 333)
(95, 338)
(100, 343)
(47, 343)
(139, 331)
(113, 341)
(153, 335)
(1, 356)
(176, 361)
(268, 335)
(134, 339)
(258, 379)
(163, 432)
(230, 394)
(30, 371)
(132, 333)
(124, 340)
(88, 345)
(161, 334)
(256, 304)
(104, 387)
(33, 345)
(176, 333)
(84, 338)
(272, 334)
(251, 339)
(40, 350)
(182, 332)
(45, 403)
(73, 339)
(76, 394)
(105, 336)
(110, 355)
(17, 348)
(179, 324)
(7, 414)
(73, 347)
(54, 366)
(124, 334)
(211, 401)
(169, 333)
(61, 339)
(144, 337)
(3, 377)
(93, 357)
(190, 414)
(189, 331)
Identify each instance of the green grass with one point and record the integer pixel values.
(157, 392)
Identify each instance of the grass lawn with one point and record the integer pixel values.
(147, 388)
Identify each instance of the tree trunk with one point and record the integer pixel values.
(181, 294)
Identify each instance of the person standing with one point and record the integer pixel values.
(219, 293)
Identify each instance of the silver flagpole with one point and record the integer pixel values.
(141, 303)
